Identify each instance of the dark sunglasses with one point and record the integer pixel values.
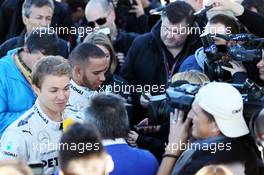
(100, 21)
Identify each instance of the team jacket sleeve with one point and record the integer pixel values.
(13, 145)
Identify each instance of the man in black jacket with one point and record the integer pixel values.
(155, 56)
(35, 13)
(244, 15)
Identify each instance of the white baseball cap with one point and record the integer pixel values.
(225, 103)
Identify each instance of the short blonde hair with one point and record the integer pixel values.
(98, 38)
(50, 65)
(214, 170)
(192, 76)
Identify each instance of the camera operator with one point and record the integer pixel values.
(221, 128)
(152, 136)
(244, 15)
(219, 24)
(238, 69)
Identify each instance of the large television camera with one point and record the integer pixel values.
(182, 96)
(247, 49)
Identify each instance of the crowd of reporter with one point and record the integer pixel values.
(70, 102)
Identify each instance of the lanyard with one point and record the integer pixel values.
(169, 69)
(26, 71)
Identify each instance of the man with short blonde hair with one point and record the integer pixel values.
(34, 137)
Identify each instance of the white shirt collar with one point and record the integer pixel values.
(107, 142)
(81, 89)
(44, 118)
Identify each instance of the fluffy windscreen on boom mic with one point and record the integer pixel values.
(237, 37)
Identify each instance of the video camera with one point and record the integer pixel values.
(181, 97)
(246, 50)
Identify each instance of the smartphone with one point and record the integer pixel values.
(139, 128)
(37, 168)
(105, 31)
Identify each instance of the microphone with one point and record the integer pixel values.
(66, 124)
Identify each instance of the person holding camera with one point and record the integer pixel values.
(238, 69)
(152, 132)
(34, 136)
(244, 15)
(223, 25)
(219, 129)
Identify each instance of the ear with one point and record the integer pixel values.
(113, 15)
(214, 128)
(200, 2)
(78, 72)
(25, 20)
(80, 10)
(25, 49)
(36, 90)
